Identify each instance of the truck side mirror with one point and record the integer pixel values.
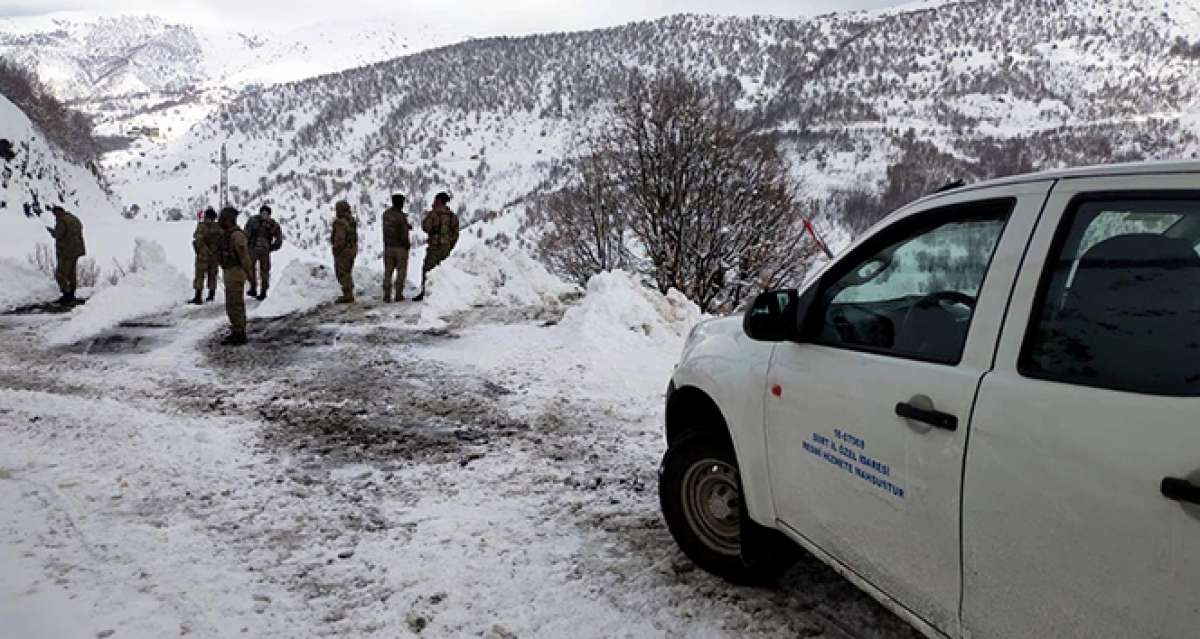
(774, 316)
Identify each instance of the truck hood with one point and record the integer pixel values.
(729, 327)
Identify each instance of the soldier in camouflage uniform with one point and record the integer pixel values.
(235, 262)
(395, 249)
(441, 226)
(68, 248)
(344, 239)
(265, 237)
(206, 242)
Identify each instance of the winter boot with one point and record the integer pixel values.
(262, 295)
(65, 300)
(251, 292)
(235, 338)
(420, 296)
(387, 298)
(196, 299)
(345, 299)
(212, 294)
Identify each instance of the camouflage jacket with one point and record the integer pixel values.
(68, 237)
(234, 253)
(206, 240)
(441, 225)
(345, 235)
(263, 234)
(395, 229)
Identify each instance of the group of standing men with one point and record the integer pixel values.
(263, 237)
(219, 242)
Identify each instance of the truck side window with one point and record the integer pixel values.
(1119, 304)
(912, 293)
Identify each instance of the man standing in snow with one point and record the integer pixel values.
(206, 242)
(235, 262)
(265, 237)
(395, 248)
(441, 226)
(345, 248)
(68, 248)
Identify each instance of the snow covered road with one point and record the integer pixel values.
(352, 473)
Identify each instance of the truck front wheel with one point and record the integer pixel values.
(700, 492)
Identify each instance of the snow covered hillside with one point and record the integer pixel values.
(91, 57)
(925, 88)
(147, 78)
(34, 175)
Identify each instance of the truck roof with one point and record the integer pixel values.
(1101, 170)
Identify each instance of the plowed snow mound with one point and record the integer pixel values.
(484, 276)
(23, 285)
(151, 287)
(617, 305)
(302, 286)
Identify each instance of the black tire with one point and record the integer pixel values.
(699, 489)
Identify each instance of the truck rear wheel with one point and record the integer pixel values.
(701, 497)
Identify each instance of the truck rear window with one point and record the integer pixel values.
(1119, 305)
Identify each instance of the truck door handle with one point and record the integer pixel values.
(934, 418)
(1180, 490)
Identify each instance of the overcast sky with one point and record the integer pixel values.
(482, 17)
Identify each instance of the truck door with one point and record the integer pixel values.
(1080, 515)
(868, 415)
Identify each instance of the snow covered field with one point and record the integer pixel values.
(487, 468)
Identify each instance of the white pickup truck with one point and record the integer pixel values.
(985, 413)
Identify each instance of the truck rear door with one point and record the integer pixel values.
(1080, 515)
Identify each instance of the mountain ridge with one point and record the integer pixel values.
(861, 101)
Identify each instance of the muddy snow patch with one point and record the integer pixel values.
(484, 276)
(23, 285)
(152, 286)
(301, 287)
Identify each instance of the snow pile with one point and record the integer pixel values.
(302, 286)
(617, 304)
(484, 276)
(23, 285)
(152, 286)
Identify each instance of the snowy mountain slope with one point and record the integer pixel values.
(86, 56)
(37, 175)
(147, 78)
(1046, 83)
(34, 175)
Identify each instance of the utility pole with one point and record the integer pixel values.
(224, 177)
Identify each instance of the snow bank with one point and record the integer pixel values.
(613, 351)
(302, 286)
(616, 304)
(152, 286)
(484, 276)
(23, 285)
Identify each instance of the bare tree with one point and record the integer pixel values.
(712, 207)
(586, 231)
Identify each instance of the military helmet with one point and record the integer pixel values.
(342, 206)
(229, 213)
(210, 213)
